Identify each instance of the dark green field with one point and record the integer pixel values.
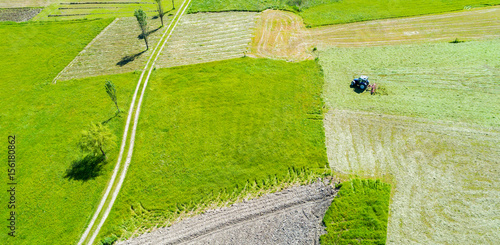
(358, 214)
(47, 120)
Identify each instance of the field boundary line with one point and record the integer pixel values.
(162, 42)
(84, 50)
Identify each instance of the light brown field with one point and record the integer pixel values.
(445, 174)
(282, 34)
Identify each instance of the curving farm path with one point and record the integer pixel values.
(114, 185)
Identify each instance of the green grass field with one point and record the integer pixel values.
(358, 214)
(328, 12)
(442, 81)
(47, 119)
(217, 128)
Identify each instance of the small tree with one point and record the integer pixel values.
(110, 89)
(143, 24)
(98, 138)
(160, 11)
(173, 6)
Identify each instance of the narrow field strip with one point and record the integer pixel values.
(117, 49)
(117, 169)
(465, 25)
(295, 211)
(282, 35)
(444, 173)
(229, 33)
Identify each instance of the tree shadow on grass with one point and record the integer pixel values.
(85, 168)
(111, 118)
(149, 33)
(129, 58)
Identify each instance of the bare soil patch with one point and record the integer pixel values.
(445, 174)
(281, 35)
(207, 37)
(292, 216)
(18, 14)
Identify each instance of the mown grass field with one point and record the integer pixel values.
(441, 81)
(358, 214)
(47, 119)
(207, 37)
(433, 130)
(328, 12)
(209, 131)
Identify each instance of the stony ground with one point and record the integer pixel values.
(445, 174)
(292, 216)
(18, 14)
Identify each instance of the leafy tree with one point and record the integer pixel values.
(98, 138)
(110, 89)
(160, 11)
(143, 24)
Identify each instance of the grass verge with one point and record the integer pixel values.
(53, 204)
(358, 214)
(212, 131)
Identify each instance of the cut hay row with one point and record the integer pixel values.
(209, 37)
(466, 25)
(117, 50)
(445, 174)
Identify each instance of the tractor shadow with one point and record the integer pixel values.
(129, 58)
(356, 89)
(85, 168)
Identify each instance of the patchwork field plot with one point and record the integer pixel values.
(281, 35)
(292, 216)
(328, 12)
(446, 175)
(475, 24)
(230, 125)
(207, 37)
(92, 9)
(117, 49)
(53, 203)
(441, 81)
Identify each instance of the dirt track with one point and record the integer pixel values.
(445, 174)
(292, 216)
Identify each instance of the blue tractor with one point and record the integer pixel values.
(361, 82)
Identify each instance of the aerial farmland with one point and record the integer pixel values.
(250, 122)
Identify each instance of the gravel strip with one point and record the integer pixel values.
(292, 216)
